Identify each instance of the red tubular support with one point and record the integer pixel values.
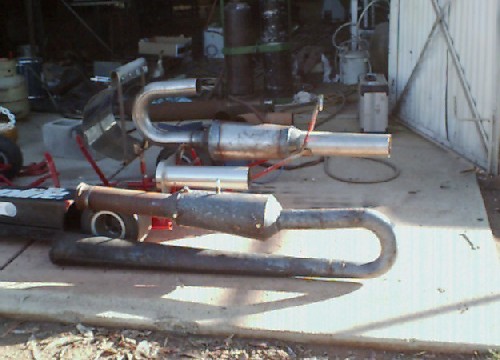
(52, 170)
(195, 157)
(257, 163)
(39, 181)
(4, 180)
(91, 160)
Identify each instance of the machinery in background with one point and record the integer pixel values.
(242, 43)
(354, 53)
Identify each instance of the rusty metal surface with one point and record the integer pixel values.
(251, 215)
(119, 253)
(123, 201)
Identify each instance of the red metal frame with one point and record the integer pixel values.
(46, 168)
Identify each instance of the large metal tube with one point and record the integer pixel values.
(140, 111)
(250, 215)
(122, 253)
(239, 25)
(202, 177)
(348, 144)
(278, 80)
(199, 109)
(124, 201)
(243, 141)
(255, 216)
(348, 218)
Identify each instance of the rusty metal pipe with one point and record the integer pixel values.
(250, 215)
(368, 219)
(123, 201)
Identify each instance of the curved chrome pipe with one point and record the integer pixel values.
(156, 90)
(245, 141)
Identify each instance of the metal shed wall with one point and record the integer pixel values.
(443, 75)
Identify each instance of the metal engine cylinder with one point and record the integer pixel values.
(277, 62)
(239, 32)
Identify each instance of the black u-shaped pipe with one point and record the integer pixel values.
(258, 216)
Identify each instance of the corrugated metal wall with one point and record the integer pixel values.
(435, 101)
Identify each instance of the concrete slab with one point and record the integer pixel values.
(443, 292)
(10, 249)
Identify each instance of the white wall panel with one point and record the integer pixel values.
(435, 102)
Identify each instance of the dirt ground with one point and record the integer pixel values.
(35, 340)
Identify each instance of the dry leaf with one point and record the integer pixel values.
(61, 342)
(32, 345)
(143, 348)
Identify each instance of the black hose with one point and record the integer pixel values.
(396, 172)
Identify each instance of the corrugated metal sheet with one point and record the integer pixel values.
(435, 103)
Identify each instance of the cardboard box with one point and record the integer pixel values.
(171, 46)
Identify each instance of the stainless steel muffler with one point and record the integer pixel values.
(245, 141)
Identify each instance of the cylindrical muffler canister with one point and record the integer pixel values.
(202, 177)
(277, 58)
(346, 144)
(249, 215)
(232, 141)
(239, 32)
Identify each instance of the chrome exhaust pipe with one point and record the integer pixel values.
(156, 90)
(232, 141)
(202, 177)
(229, 141)
(322, 143)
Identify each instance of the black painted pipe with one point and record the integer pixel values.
(242, 214)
